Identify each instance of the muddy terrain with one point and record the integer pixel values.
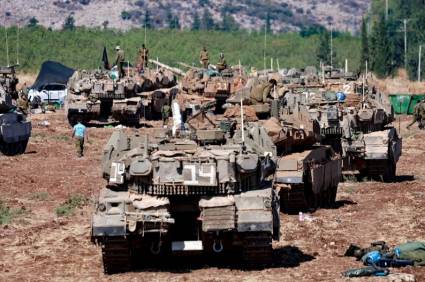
(44, 239)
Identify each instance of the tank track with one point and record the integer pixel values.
(116, 255)
(298, 199)
(257, 249)
(12, 149)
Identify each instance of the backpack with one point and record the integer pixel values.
(414, 251)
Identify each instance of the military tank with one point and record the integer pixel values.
(357, 127)
(102, 96)
(306, 175)
(15, 130)
(213, 84)
(171, 195)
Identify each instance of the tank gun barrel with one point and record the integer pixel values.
(174, 70)
(188, 66)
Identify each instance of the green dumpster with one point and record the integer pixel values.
(405, 103)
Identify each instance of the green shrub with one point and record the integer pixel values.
(40, 196)
(67, 208)
(7, 214)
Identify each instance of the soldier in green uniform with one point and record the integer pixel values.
(143, 58)
(221, 65)
(261, 92)
(419, 115)
(165, 113)
(120, 58)
(23, 104)
(204, 57)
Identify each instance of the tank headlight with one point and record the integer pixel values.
(102, 207)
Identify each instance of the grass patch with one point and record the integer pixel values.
(62, 138)
(7, 214)
(40, 196)
(40, 135)
(350, 190)
(68, 207)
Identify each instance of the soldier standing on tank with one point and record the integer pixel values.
(221, 65)
(119, 61)
(165, 113)
(79, 132)
(204, 57)
(260, 93)
(143, 58)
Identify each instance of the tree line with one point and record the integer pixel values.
(391, 37)
(81, 48)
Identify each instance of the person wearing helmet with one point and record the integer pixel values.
(221, 65)
(143, 58)
(204, 57)
(119, 61)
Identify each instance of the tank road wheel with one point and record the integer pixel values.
(116, 255)
(257, 249)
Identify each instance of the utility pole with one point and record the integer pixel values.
(346, 66)
(7, 48)
(405, 43)
(386, 10)
(366, 68)
(265, 44)
(145, 33)
(332, 48)
(419, 63)
(17, 46)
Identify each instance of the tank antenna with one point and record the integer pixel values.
(265, 45)
(363, 92)
(17, 46)
(146, 142)
(242, 123)
(7, 48)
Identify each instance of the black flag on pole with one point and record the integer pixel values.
(105, 59)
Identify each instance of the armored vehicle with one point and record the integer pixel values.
(102, 96)
(172, 195)
(307, 175)
(15, 131)
(357, 127)
(212, 84)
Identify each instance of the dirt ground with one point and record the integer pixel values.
(40, 246)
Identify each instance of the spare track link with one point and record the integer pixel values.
(116, 255)
(257, 249)
(293, 200)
